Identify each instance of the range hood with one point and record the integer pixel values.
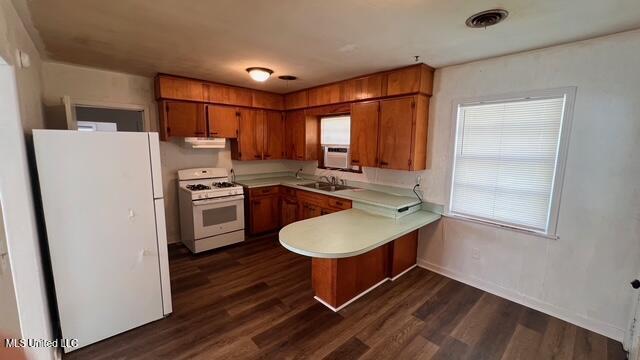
(205, 143)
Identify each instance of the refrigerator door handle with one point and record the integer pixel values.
(156, 168)
(163, 254)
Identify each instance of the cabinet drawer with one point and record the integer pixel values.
(287, 191)
(339, 203)
(313, 198)
(262, 191)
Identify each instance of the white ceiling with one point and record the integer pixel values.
(318, 41)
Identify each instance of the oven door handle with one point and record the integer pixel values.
(217, 200)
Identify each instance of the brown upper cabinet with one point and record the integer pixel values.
(367, 87)
(170, 87)
(230, 95)
(260, 135)
(296, 100)
(182, 119)
(177, 88)
(402, 133)
(267, 100)
(222, 121)
(414, 79)
(409, 80)
(302, 136)
(273, 135)
(364, 133)
(250, 143)
(328, 94)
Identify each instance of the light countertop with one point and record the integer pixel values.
(371, 197)
(349, 232)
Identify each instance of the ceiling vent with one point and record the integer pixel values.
(487, 18)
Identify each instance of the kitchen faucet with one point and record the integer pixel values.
(298, 174)
(330, 179)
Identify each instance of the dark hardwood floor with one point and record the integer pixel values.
(255, 301)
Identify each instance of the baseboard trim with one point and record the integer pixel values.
(404, 272)
(596, 326)
(352, 300)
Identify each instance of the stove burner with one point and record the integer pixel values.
(198, 187)
(223, 184)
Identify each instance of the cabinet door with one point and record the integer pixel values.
(274, 135)
(288, 211)
(250, 134)
(396, 133)
(327, 94)
(184, 119)
(364, 88)
(266, 100)
(295, 135)
(265, 215)
(327, 211)
(223, 121)
(309, 211)
(403, 81)
(168, 87)
(296, 100)
(364, 133)
(223, 94)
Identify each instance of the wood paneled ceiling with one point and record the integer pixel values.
(318, 41)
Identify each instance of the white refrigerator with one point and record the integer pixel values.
(104, 214)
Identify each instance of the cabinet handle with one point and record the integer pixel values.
(384, 163)
(267, 156)
(199, 133)
(215, 133)
(338, 203)
(256, 202)
(264, 191)
(257, 156)
(354, 161)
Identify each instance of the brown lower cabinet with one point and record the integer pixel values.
(269, 208)
(338, 281)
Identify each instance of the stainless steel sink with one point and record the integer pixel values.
(327, 187)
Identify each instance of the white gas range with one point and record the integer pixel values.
(211, 209)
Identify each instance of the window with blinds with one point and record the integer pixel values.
(506, 160)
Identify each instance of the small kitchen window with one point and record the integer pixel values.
(335, 138)
(509, 159)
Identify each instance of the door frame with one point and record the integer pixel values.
(23, 243)
(70, 105)
(632, 337)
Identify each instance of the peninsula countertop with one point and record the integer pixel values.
(366, 196)
(349, 232)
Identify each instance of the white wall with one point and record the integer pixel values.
(13, 36)
(20, 111)
(584, 275)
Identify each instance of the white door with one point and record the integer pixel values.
(98, 204)
(9, 318)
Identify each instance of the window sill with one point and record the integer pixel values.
(341, 170)
(502, 226)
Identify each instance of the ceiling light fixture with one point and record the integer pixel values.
(259, 73)
(287, 77)
(486, 18)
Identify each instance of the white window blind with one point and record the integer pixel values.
(335, 130)
(505, 161)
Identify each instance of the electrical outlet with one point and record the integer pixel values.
(475, 253)
(418, 179)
